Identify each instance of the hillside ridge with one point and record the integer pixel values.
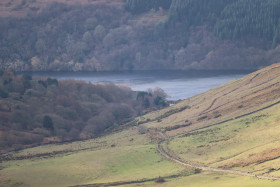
(117, 35)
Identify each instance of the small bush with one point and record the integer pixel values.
(48, 123)
(27, 84)
(52, 82)
(146, 103)
(201, 118)
(218, 115)
(142, 130)
(43, 83)
(141, 94)
(160, 180)
(172, 111)
(159, 101)
(176, 127)
(197, 171)
(4, 93)
(27, 77)
(17, 147)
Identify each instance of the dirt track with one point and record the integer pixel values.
(207, 168)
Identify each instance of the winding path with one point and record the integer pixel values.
(176, 159)
(207, 168)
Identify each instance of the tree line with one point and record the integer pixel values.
(35, 110)
(231, 19)
(140, 6)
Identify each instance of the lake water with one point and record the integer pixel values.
(177, 84)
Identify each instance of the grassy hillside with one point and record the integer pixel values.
(123, 156)
(234, 126)
(234, 99)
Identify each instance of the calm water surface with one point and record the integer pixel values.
(177, 84)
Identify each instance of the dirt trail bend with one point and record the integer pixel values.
(176, 159)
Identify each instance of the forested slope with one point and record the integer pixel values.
(41, 110)
(231, 19)
(101, 35)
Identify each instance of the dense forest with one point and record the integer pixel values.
(34, 110)
(140, 35)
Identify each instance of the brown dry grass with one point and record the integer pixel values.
(250, 93)
(257, 158)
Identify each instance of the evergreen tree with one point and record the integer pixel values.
(48, 123)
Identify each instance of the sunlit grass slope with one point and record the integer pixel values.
(214, 180)
(122, 156)
(234, 126)
(248, 143)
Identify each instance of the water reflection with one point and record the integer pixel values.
(177, 84)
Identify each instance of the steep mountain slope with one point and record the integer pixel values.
(234, 127)
(235, 99)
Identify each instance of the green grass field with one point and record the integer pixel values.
(249, 143)
(123, 156)
(239, 143)
(214, 180)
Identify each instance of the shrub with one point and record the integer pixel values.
(43, 83)
(42, 132)
(146, 103)
(173, 111)
(159, 101)
(177, 127)
(4, 93)
(142, 130)
(141, 95)
(201, 118)
(17, 147)
(197, 171)
(48, 123)
(218, 115)
(122, 112)
(61, 133)
(67, 113)
(160, 180)
(240, 106)
(51, 82)
(28, 138)
(7, 81)
(27, 77)
(26, 84)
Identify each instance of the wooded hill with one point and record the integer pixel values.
(34, 110)
(102, 35)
